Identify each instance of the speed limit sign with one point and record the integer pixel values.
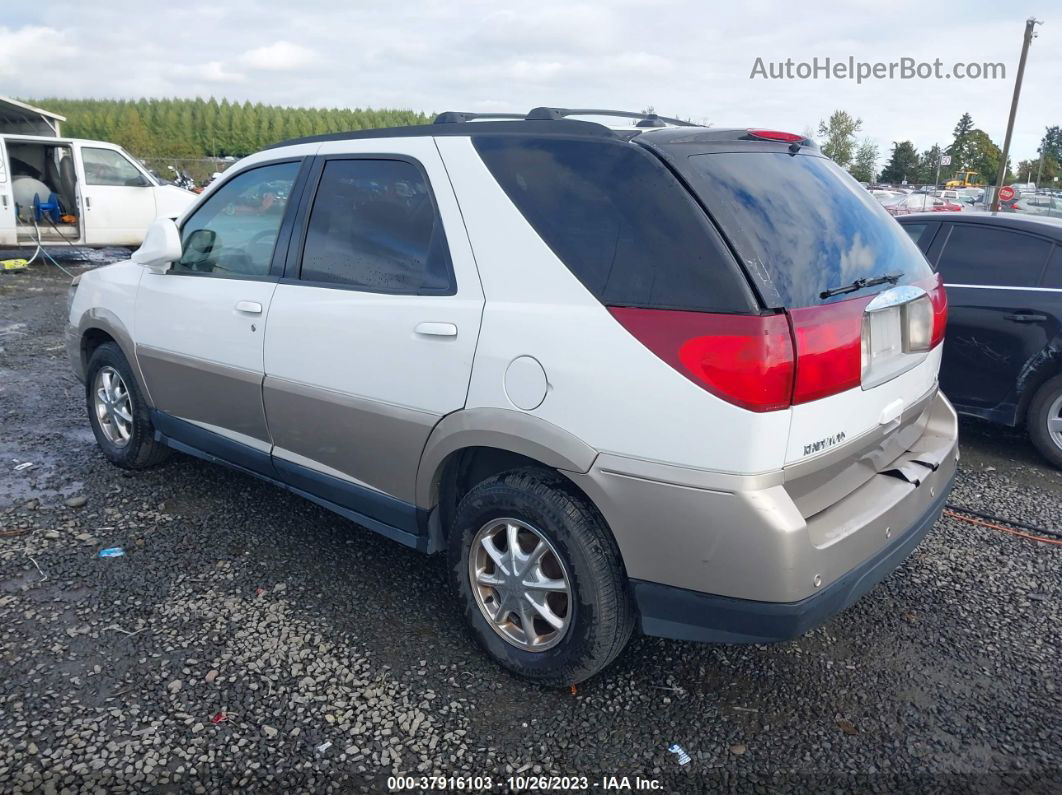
(945, 160)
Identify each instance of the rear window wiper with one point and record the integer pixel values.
(859, 284)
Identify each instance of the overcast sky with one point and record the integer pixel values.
(684, 57)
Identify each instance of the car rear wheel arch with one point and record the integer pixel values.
(464, 469)
(1034, 376)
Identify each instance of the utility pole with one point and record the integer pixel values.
(940, 156)
(1040, 170)
(1030, 25)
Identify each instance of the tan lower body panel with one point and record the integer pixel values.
(746, 537)
(205, 392)
(374, 443)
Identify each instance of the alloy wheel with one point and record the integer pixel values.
(113, 405)
(1054, 421)
(520, 583)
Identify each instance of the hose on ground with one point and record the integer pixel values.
(993, 522)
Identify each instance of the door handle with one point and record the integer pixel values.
(1026, 317)
(88, 202)
(436, 329)
(250, 307)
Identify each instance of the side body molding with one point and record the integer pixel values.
(502, 429)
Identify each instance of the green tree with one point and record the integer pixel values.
(838, 134)
(865, 167)
(984, 157)
(903, 163)
(927, 166)
(132, 134)
(960, 146)
(1052, 143)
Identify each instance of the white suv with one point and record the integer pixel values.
(660, 376)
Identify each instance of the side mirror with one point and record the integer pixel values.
(161, 246)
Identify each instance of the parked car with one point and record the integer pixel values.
(1033, 204)
(612, 396)
(70, 190)
(896, 205)
(924, 202)
(1003, 359)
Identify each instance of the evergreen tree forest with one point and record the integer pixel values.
(202, 128)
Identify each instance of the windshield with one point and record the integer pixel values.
(811, 225)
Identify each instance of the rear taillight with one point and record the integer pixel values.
(746, 360)
(939, 298)
(827, 348)
(771, 362)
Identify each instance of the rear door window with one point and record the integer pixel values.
(983, 255)
(374, 227)
(806, 222)
(620, 221)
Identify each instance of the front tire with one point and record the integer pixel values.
(118, 413)
(540, 577)
(1045, 420)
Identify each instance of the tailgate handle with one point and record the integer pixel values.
(1026, 317)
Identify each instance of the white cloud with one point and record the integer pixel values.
(33, 47)
(684, 57)
(281, 56)
(217, 72)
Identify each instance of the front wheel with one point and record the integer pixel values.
(1045, 420)
(540, 577)
(118, 412)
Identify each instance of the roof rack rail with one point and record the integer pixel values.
(456, 116)
(647, 119)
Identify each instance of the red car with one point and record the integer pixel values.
(920, 203)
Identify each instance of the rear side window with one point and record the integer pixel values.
(811, 225)
(374, 227)
(982, 255)
(620, 221)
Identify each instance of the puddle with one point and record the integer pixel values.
(43, 481)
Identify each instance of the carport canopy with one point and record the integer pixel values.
(20, 118)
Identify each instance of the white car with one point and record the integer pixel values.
(677, 378)
(91, 193)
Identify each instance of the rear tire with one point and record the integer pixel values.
(118, 413)
(575, 547)
(1044, 420)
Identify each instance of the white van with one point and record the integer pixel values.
(89, 193)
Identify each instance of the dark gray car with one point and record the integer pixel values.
(1003, 351)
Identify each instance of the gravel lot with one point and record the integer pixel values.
(336, 657)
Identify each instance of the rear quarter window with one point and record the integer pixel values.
(620, 221)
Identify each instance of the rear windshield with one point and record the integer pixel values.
(807, 222)
(620, 222)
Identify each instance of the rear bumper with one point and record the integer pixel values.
(682, 614)
(708, 552)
